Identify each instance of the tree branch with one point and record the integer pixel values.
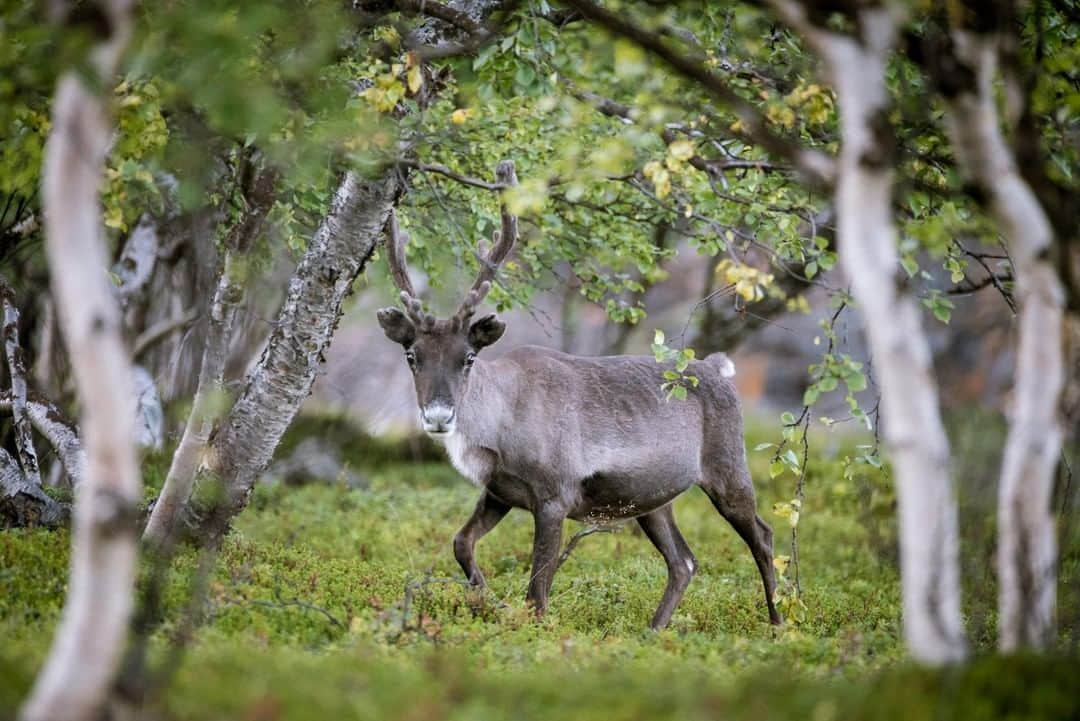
(162, 329)
(816, 166)
(453, 175)
(24, 442)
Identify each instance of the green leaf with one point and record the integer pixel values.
(791, 459)
(856, 382)
(911, 267)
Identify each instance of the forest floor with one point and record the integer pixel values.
(329, 602)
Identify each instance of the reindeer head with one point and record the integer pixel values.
(440, 353)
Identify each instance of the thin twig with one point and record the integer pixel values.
(162, 329)
(452, 174)
(580, 535)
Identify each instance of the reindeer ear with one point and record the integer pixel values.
(485, 331)
(397, 326)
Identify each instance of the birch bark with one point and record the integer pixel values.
(24, 443)
(1027, 544)
(867, 241)
(282, 378)
(209, 395)
(75, 679)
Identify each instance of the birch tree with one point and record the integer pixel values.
(965, 66)
(74, 682)
(249, 433)
(867, 237)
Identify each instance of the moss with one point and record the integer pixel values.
(305, 617)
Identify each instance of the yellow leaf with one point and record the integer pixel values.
(629, 59)
(459, 116)
(662, 182)
(114, 218)
(681, 149)
(414, 79)
(780, 563)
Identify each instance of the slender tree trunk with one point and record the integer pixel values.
(209, 396)
(1027, 547)
(867, 241)
(79, 670)
(244, 444)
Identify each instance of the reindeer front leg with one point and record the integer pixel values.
(547, 540)
(489, 511)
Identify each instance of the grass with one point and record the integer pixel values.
(306, 615)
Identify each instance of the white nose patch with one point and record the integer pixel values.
(437, 413)
(437, 418)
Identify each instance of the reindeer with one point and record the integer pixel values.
(565, 436)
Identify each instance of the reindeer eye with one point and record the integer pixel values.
(410, 358)
(469, 358)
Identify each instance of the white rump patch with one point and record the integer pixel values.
(727, 368)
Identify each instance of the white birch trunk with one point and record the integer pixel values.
(209, 397)
(24, 442)
(867, 240)
(75, 679)
(1027, 546)
(283, 376)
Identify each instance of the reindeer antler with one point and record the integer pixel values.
(395, 258)
(501, 243)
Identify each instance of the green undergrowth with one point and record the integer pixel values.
(328, 602)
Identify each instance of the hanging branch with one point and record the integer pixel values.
(24, 442)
